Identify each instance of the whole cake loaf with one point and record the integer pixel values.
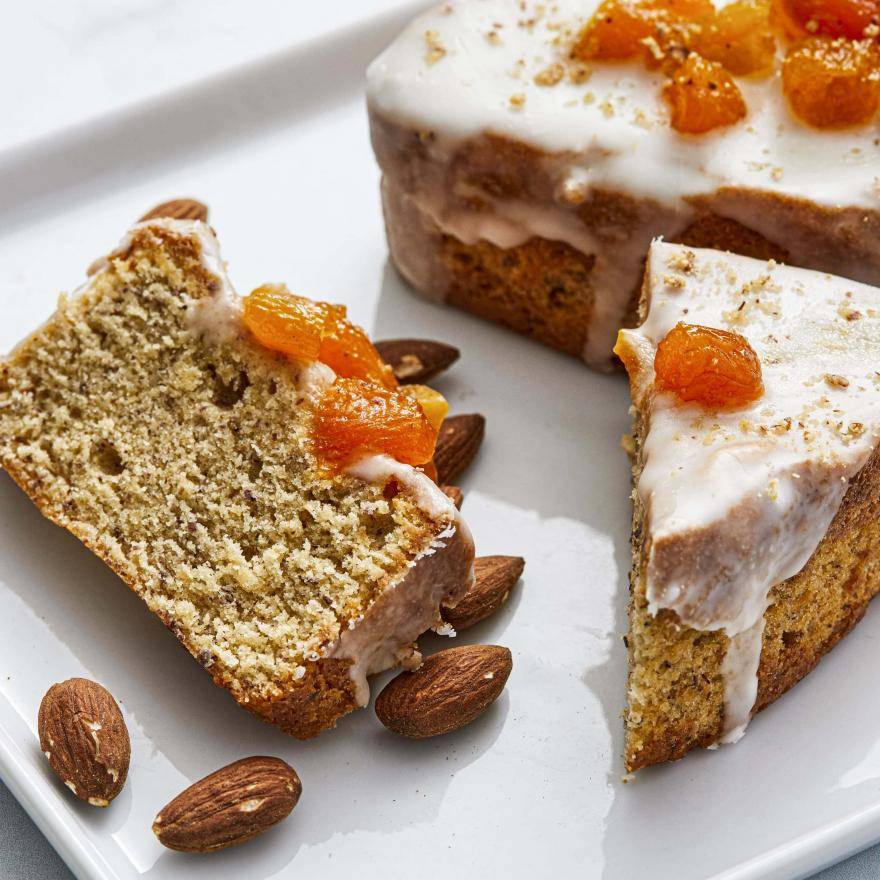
(530, 151)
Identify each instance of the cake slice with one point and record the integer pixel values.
(756, 532)
(206, 469)
(531, 151)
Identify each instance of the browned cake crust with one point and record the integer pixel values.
(301, 706)
(676, 691)
(547, 289)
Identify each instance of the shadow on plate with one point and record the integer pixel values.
(197, 726)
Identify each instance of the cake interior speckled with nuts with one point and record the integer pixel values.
(523, 184)
(756, 531)
(144, 418)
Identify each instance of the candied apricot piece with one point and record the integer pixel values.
(716, 368)
(832, 83)
(309, 330)
(740, 39)
(347, 350)
(615, 32)
(355, 418)
(829, 18)
(293, 325)
(433, 403)
(701, 96)
(619, 28)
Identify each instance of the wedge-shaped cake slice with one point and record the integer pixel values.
(146, 419)
(756, 391)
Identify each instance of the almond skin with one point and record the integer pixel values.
(232, 805)
(494, 578)
(447, 692)
(83, 734)
(415, 361)
(178, 209)
(454, 493)
(458, 441)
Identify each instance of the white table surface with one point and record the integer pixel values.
(96, 56)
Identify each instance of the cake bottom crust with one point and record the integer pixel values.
(676, 690)
(307, 706)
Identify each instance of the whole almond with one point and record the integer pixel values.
(178, 209)
(83, 734)
(416, 360)
(494, 578)
(457, 443)
(454, 493)
(230, 806)
(448, 691)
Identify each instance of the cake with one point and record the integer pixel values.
(528, 160)
(266, 507)
(756, 530)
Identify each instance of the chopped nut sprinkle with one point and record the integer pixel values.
(579, 73)
(551, 75)
(836, 381)
(848, 312)
(434, 51)
(682, 262)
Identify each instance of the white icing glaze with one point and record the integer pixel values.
(424, 491)
(218, 317)
(382, 639)
(622, 139)
(737, 502)
(453, 72)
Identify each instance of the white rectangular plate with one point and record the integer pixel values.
(280, 150)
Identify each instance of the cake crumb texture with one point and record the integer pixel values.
(676, 688)
(183, 461)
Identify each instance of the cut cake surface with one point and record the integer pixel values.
(143, 418)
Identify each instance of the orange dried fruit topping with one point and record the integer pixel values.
(355, 418)
(715, 368)
(433, 403)
(309, 330)
(832, 83)
(830, 18)
(347, 350)
(701, 96)
(619, 28)
(293, 325)
(740, 39)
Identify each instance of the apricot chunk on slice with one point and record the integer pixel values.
(829, 18)
(290, 324)
(832, 83)
(740, 39)
(309, 330)
(701, 96)
(356, 418)
(347, 350)
(715, 368)
(433, 403)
